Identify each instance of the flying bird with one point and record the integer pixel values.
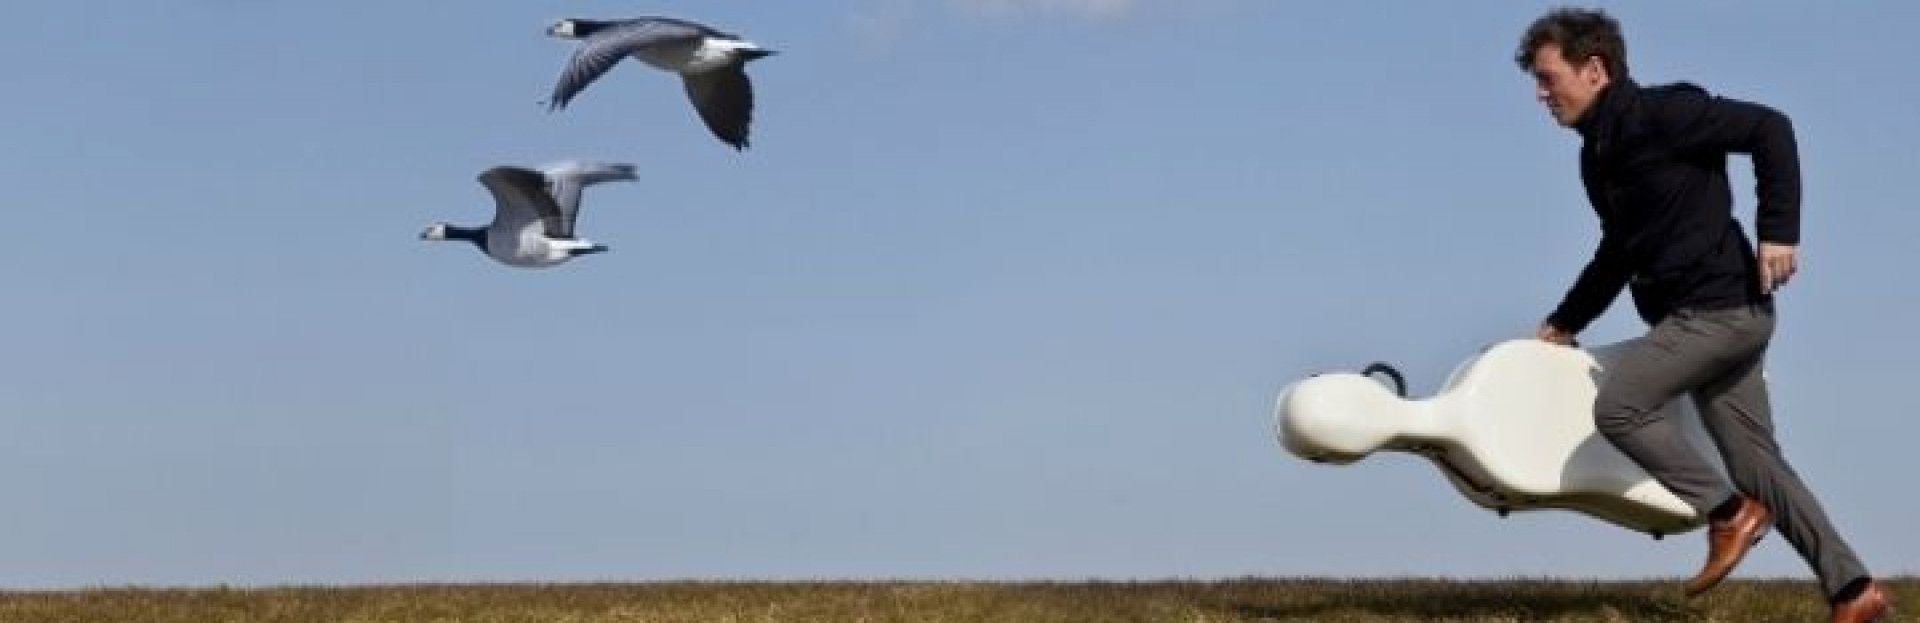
(712, 65)
(534, 213)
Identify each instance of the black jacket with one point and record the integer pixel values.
(1654, 163)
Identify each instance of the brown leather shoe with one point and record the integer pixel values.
(1728, 542)
(1869, 605)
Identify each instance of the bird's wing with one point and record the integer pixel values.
(566, 180)
(520, 197)
(601, 51)
(724, 99)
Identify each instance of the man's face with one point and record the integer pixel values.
(1567, 89)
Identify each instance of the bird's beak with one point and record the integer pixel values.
(757, 54)
(598, 248)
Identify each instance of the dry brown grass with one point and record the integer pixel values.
(1252, 599)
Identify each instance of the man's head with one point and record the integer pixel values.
(1572, 54)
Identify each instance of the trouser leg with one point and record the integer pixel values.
(1680, 353)
(1736, 411)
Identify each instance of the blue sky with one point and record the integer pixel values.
(1003, 289)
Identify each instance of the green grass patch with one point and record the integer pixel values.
(1224, 601)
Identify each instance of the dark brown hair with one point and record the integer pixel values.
(1580, 33)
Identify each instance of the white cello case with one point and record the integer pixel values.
(1512, 429)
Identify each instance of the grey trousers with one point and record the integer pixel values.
(1716, 356)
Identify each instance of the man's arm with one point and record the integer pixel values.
(1599, 283)
(1704, 124)
(1701, 123)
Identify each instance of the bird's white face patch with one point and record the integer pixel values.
(564, 29)
(436, 231)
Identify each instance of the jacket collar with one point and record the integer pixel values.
(1606, 109)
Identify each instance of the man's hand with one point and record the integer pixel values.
(1554, 334)
(1777, 265)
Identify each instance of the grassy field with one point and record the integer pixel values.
(1250, 599)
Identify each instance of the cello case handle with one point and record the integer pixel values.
(1399, 381)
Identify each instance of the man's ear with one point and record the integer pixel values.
(1595, 69)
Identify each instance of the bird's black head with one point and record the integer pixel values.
(443, 231)
(576, 28)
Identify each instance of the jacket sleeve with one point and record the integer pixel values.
(1596, 288)
(1699, 123)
